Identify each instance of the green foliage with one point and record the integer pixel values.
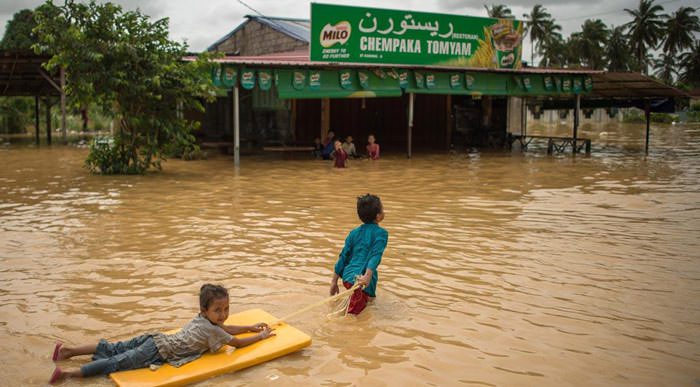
(125, 63)
(18, 32)
(16, 113)
(109, 156)
(633, 117)
(645, 30)
(695, 107)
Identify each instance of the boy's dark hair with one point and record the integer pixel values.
(368, 206)
(209, 293)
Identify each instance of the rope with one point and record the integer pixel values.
(345, 293)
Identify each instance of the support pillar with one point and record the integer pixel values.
(577, 110)
(63, 104)
(411, 98)
(48, 120)
(523, 117)
(236, 130)
(325, 117)
(647, 116)
(36, 119)
(450, 121)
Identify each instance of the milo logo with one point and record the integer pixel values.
(339, 33)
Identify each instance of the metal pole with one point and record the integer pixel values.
(63, 103)
(647, 116)
(411, 98)
(577, 109)
(36, 118)
(523, 117)
(236, 130)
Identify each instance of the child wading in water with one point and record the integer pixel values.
(372, 148)
(206, 332)
(340, 157)
(362, 254)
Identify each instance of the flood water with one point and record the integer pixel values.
(501, 269)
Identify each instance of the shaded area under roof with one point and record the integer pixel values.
(299, 29)
(21, 74)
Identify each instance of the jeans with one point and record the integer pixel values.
(139, 352)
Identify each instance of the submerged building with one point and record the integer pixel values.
(276, 93)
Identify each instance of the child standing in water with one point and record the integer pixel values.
(206, 332)
(362, 254)
(340, 157)
(372, 148)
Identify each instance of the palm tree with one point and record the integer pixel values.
(552, 47)
(690, 66)
(499, 11)
(679, 30)
(617, 52)
(645, 29)
(588, 45)
(665, 68)
(535, 21)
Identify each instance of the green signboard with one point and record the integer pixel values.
(375, 35)
(315, 80)
(264, 80)
(248, 79)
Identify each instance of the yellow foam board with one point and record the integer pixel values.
(287, 340)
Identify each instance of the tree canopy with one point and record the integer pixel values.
(18, 32)
(126, 64)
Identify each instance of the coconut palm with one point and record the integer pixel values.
(499, 11)
(665, 68)
(588, 45)
(690, 66)
(645, 30)
(535, 21)
(679, 30)
(617, 52)
(552, 47)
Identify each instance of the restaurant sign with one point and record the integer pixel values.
(374, 35)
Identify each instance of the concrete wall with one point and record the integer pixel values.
(255, 38)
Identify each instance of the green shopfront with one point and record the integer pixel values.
(415, 80)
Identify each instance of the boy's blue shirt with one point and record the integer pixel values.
(363, 249)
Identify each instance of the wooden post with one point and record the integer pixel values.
(63, 103)
(325, 117)
(523, 117)
(293, 118)
(48, 120)
(411, 98)
(36, 119)
(577, 109)
(647, 116)
(450, 121)
(236, 130)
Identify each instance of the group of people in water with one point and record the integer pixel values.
(340, 151)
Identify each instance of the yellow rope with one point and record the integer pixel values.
(347, 292)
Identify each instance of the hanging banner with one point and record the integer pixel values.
(469, 81)
(363, 77)
(229, 76)
(403, 79)
(374, 35)
(345, 79)
(314, 80)
(216, 74)
(527, 84)
(566, 84)
(548, 83)
(577, 85)
(264, 80)
(588, 83)
(248, 79)
(298, 80)
(420, 81)
(455, 81)
(430, 81)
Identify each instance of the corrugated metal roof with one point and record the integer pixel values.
(301, 58)
(299, 29)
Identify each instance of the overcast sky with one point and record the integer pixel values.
(201, 23)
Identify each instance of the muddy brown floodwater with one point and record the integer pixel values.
(501, 269)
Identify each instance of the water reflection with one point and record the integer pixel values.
(501, 269)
